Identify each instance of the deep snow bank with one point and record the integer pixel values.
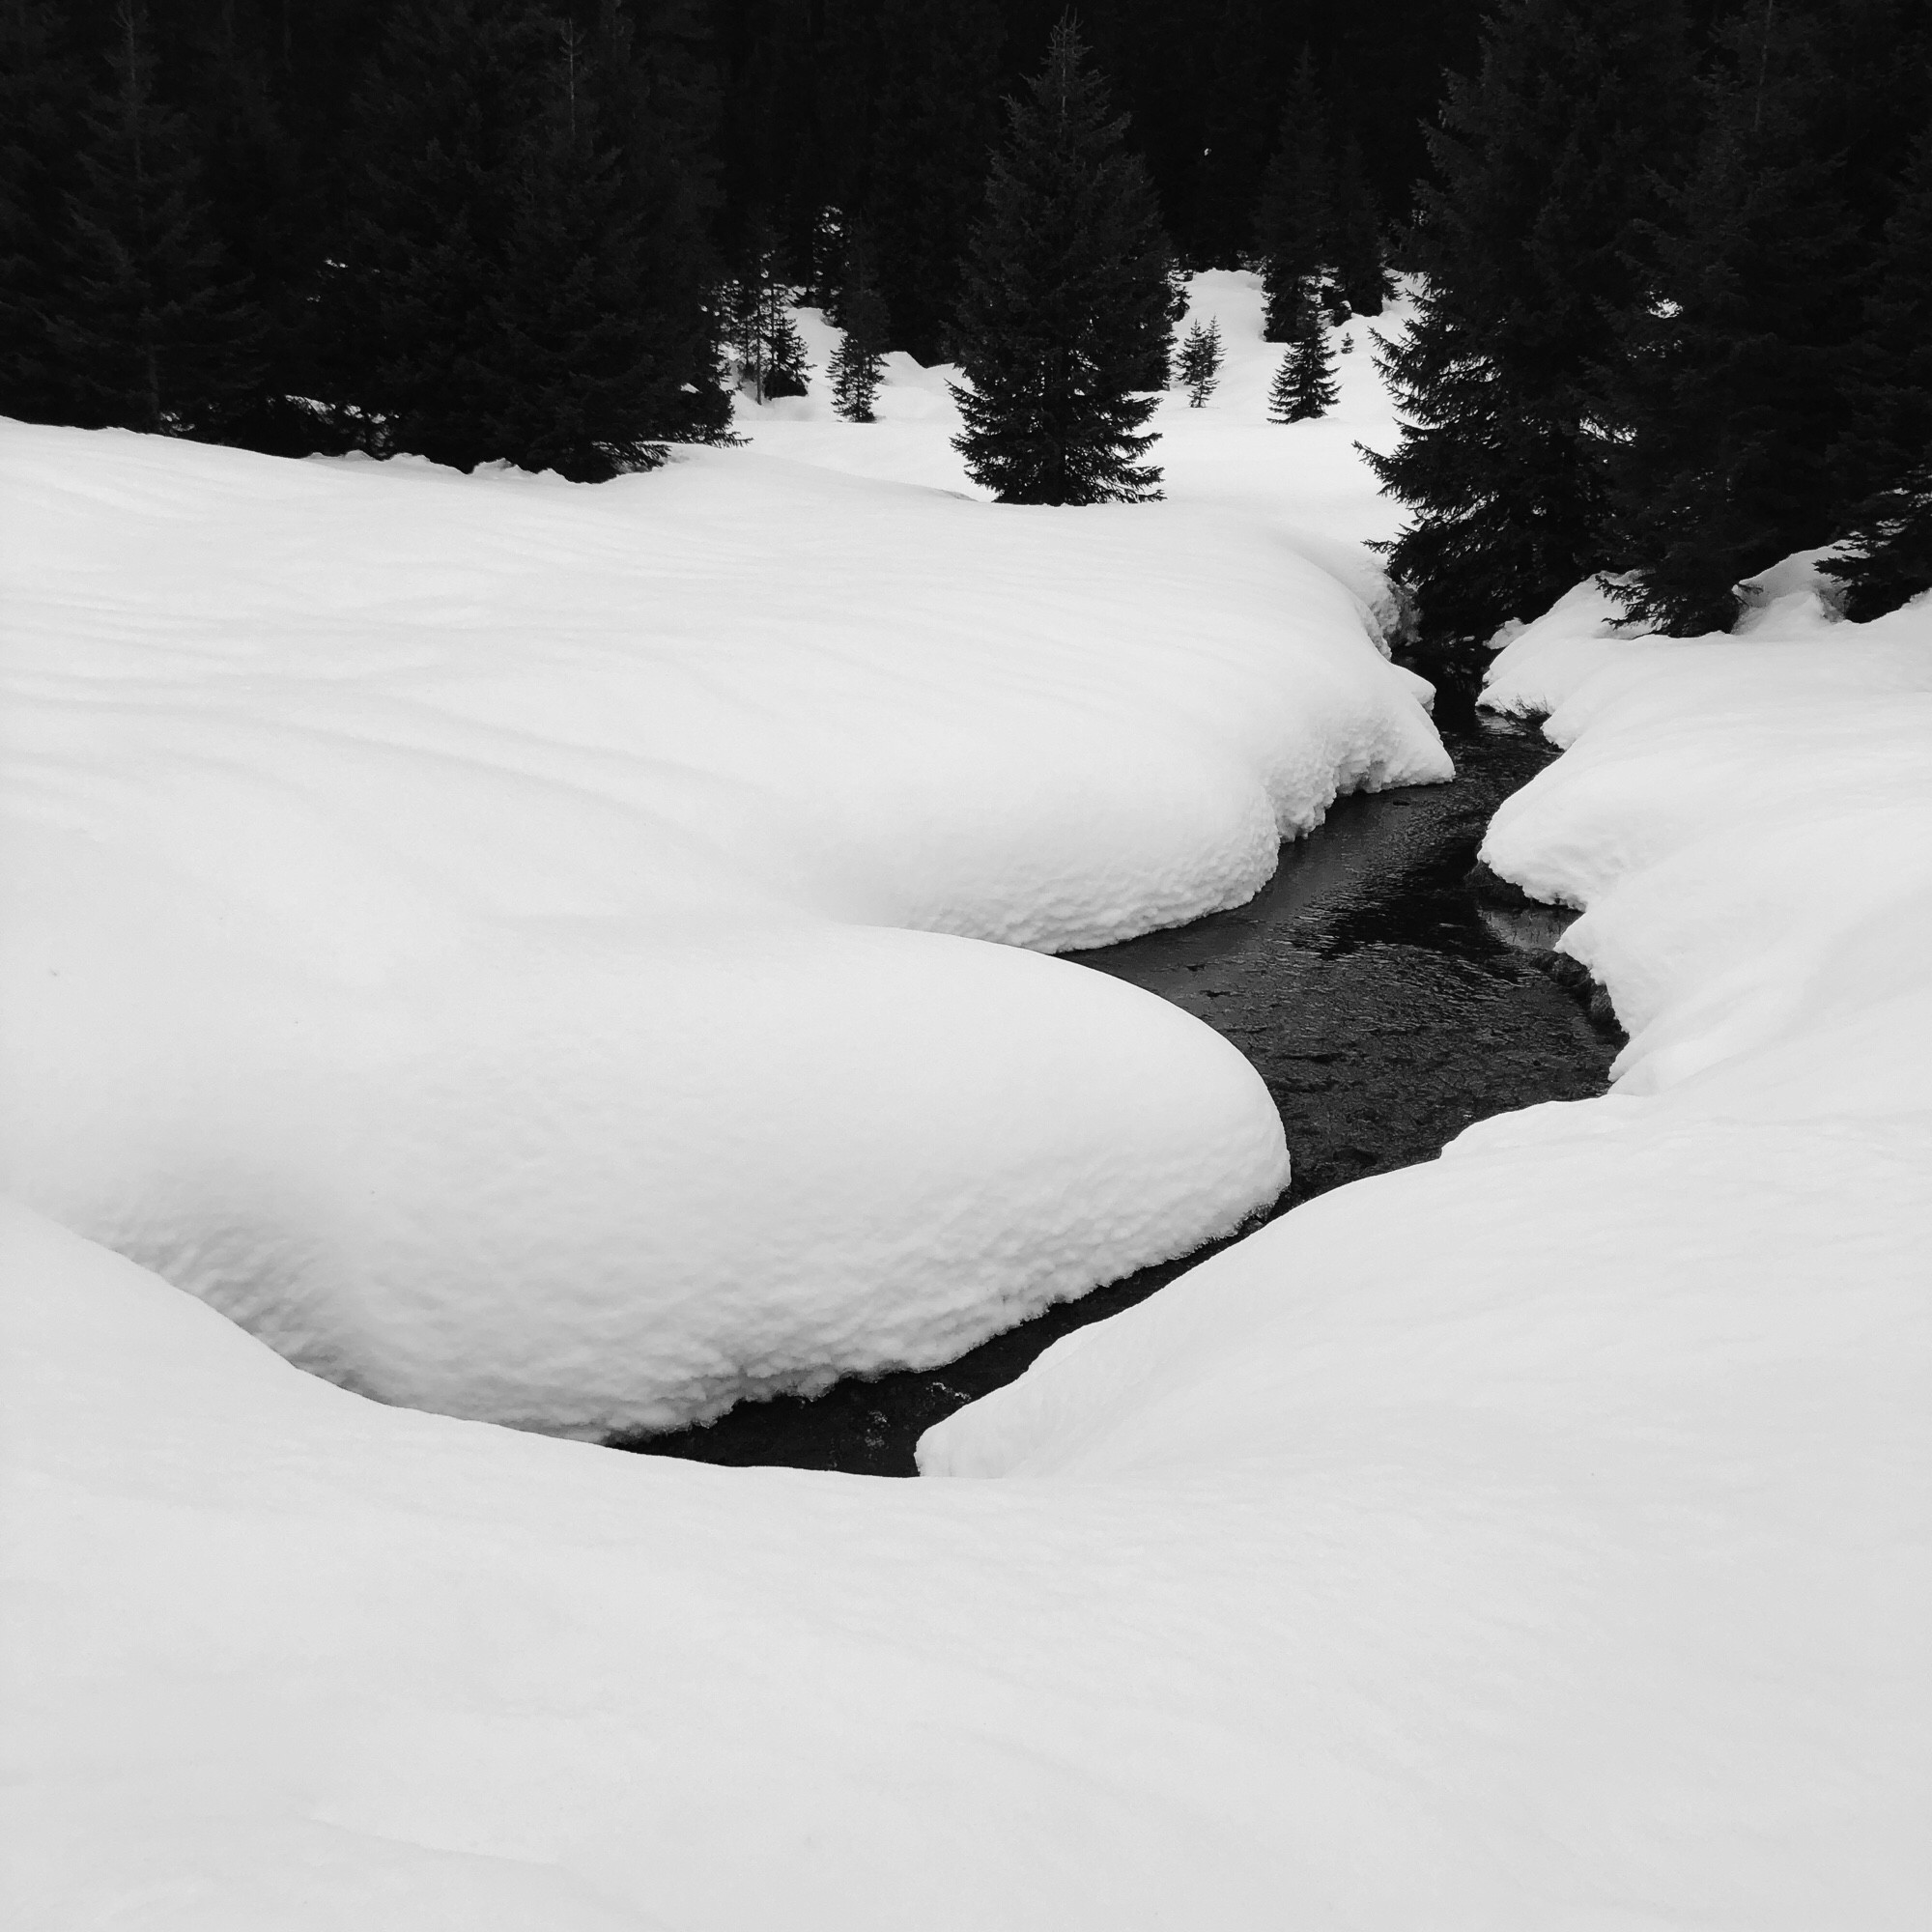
(1304, 481)
(459, 926)
(1654, 1367)
(1533, 1538)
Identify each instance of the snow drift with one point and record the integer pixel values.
(518, 948)
(1535, 1537)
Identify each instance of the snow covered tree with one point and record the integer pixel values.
(1527, 251)
(1296, 218)
(1067, 309)
(1304, 386)
(1200, 362)
(1727, 398)
(146, 318)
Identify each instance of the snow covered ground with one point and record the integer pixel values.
(1532, 1538)
(1302, 481)
(521, 949)
(1536, 1538)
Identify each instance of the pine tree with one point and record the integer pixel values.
(43, 96)
(1304, 386)
(569, 378)
(1295, 222)
(831, 248)
(269, 211)
(440, 129)
(858, 365)
(149, 323)
(656, 105)
(1885, 455)
(1728, 396)
(937, 115)
(768, 350)
(1200, 362)
(1066, 314)
(1526, 249)
(1356, 244)
(522, 277)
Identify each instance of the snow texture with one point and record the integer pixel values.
(1534, 1538)
(1531, 1538)
(521, 949)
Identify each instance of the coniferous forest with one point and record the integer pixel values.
(1672, 260)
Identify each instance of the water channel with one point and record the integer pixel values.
(1386, 993)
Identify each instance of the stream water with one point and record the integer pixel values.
(1387, 995)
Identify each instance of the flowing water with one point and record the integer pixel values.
(1386, 993)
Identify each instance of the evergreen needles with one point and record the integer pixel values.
(1548, 161)
(136, 317)
(1304, 386)
(1199, 363)
(858, 363)
(1067, 310)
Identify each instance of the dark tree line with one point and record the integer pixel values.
(535, 229)
(471, 229)
(1675, 313)
(1675, 256)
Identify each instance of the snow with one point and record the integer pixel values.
(1535, 1537)
(523, 950)
(1297, 483)
(1606, 1436)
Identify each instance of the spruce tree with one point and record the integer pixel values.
(1304, 386)
(765, 343)
(858, 365)
(568, 380)
(148, 324)
(1356, 244)
(1885, 455)
(1067, 310)
(522, 275)
(269, 208)
(1200, 362)
(1727, 398)
(1294, 220)
(1546, 162)
(656, 106)
(936, 115)
(439, 134)
(42, 94)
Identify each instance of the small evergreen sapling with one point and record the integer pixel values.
(1200, 362)
(859, 362)
(1304, 386)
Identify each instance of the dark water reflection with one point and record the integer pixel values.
(1385, 997)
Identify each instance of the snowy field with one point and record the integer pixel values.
(521, 948)
(1535, 1537)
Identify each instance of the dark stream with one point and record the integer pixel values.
(1388, 996)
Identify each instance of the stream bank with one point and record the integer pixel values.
(1386, 993)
